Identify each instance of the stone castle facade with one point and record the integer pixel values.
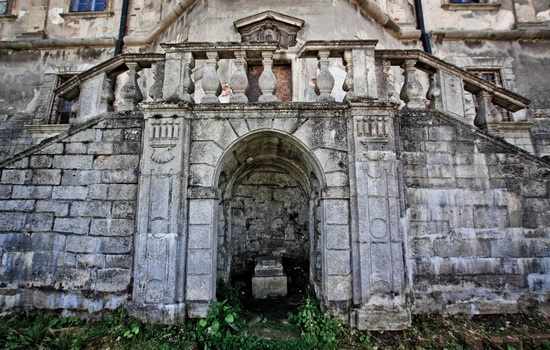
(392, 153)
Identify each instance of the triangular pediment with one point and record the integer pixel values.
(269, 27)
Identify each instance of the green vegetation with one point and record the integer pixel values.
(307, 328)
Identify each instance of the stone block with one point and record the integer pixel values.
(98, 192)
(205, 152)
(339, 262)
(17, 205)
(46, 177)
(122, 192)
(199, 262)
(118, 261)
(112, 280)
(16, 177)
(538, 282)
(11, 221)
(337, 236)
(15, 242)
(79, 226)
(42, 241)
(90, 260)
(491, 216)
(88, 135)
(5, 191)
(38, 222)
(82, 244)
(123, 209)
(31, 192)
(200, 237)
(41, 162)
(116, 162)
(70, 192)
(269, 287)
(115, 245)
(76, 148)
(91, 208)
(101, 148)
(113, 135)
(127, 148)
(446, 247)
(199, 287)
(201, 211)
(76, 162)
(476, 266)
(80, 177)
(112, 227)
(70, 278)
(56, 148)
(338, 288)
(59, 208)
(119, 176)
(336, 212)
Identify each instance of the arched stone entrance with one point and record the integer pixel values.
(269, 206)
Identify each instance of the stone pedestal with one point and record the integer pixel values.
(269, 279)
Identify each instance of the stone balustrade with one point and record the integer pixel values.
(428, 82)
(447, 86)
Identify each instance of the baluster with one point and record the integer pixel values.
(325, 80)
(155, 91)
(239, 80)
(434, 94)
(107, 96)
(347, 86)
(210, 80)
(487, 116)
(268, 80)
(411, 92)
(389, 82)
(130, 91)
(188, 86)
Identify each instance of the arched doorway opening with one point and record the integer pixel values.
(269, 188)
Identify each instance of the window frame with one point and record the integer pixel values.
(10, 4)
(468, 5)
(90, 6)
(64, 116)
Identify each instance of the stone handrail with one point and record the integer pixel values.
(447, 86)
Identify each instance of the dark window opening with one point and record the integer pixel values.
(62, 109)
(87, 5)
(283, 90)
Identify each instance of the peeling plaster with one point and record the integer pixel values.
(54, 16)
(543, 16)
(22, 13)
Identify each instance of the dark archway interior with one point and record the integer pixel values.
(269, 191)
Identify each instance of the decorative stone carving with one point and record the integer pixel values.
(164, 137)
(325, 80)
(372, 127)
(130, 92)
(269, 27)
(267, 81)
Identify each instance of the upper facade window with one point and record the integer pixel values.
(468, 1)
(87, 5)
(4, 6)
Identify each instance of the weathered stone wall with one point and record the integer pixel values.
(478, 218)
(67, 218)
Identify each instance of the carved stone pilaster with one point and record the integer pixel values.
(210, 80)
(160, 241)
(412, 91)
(239, 80)
(325, 80)
(267, 81)
(434, 94)
(487, 116)
(178, 84)
(130, 91)
(155, 91)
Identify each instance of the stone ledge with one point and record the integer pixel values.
(87, 14)
(163, 313)
(470, 7)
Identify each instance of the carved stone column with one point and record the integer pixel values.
(239, 80)
(412, 90)
(267, 81)
(160, 245)
(210, 80)
(325, 80)
(130, 91)
(487, 116)
(377, 241)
